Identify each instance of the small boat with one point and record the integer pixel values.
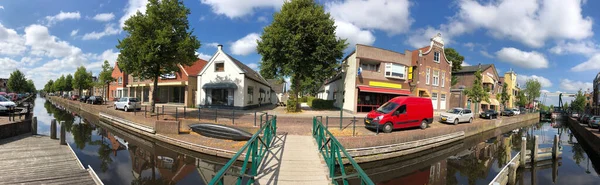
(220, 131)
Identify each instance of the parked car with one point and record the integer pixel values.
(516, 111)
(489, 114)
(584, 118)
(508, 112)
(6, 104)
(75, 97)
(3, 94)
(94, 100)
(83, 98)
(594, 121)
(401, 112)
(12, 97)
(65, 96)
(128, 103)
(575, 115)
(457, 115)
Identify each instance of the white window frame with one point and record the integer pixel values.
(389, 71)
(436, 56)
(434, 100)
(427, 75)
(250, 93)
(443, 78)
(436, 78)
(120, 80)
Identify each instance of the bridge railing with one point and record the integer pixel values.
(255, 150)
(332, 151)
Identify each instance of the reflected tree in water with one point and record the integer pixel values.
(82, 134)
(104, 151)
(577, 153)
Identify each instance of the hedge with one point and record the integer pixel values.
(291, 105)
(320, 104)
(309, 100)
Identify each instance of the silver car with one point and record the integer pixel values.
(457, 115)
(128, 103)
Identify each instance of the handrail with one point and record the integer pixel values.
(255, 149)
(331, 149)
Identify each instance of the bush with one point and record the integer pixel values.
(291, 105)
(303, 99)
(320, 104)
(309, 100)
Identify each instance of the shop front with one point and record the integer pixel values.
(370, 98)
(219, 94)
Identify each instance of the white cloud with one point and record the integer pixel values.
(104, 17)
(593, 63)
(213, 44)
(109, 29)
(262, 19)
(545, 82)
(44, 44)
(133, 6)
(531, 60)
(1, 7)
(29, 61)
(245, 45)
(391, 16)
(586, 48)
(253, 66)
(11, 43)
(203, 56)
(74, 32)
(465, 64)
(237, 9)
(486, 54)
(61, 17)
(8, 66)
(574, 86)
(469, 45)
(354, 34)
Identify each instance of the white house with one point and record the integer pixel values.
(227, 83)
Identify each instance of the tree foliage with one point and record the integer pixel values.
(532, 89)
(68, 83)
(579, 103)
(301, 44)
(522, 99)
(30, 86)
(59, 84)
(105, 77)
(476, 93)
(457, 60)
(157, 42)
(17, 82)
(49, 87)
(82, 79)
(504, 95)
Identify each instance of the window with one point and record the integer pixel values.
(120, 80)
(334, 94)
(395, 71)
(436, 57)
(443, 97)
(135, 79)
(250, 94)
(436, 78)
(401, 109)
(370, 67)
(467, 111)
(443, 79)
(427, 76)
(219, 67)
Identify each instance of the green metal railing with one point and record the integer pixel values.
(255, 149)
(332, 151)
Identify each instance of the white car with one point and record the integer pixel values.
(6, 104)
(128, 103)
(516, 111)
(457, 115)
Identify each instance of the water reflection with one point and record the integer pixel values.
(119, 157)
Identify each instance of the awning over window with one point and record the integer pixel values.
(488, 79)
(383, 90)
(492, 100)
(220, 85)
(261, 90)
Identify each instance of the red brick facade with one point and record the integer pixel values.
(116, 88)
(432, 74)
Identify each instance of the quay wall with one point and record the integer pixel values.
(584, 135)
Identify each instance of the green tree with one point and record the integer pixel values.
(566, 106)
(68, 83)
(521, 99)
(579, 103)
(49, 87)
(532, 89)
(477, 93)
(17, 82)
(457, 60)
(82, 79)
(157, 42)
(504, 95)
(301, 44)
(30, 86)
(105, 77)
(59, 84)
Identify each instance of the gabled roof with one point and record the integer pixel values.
(276, 85)
(248, 72)
(195, 68)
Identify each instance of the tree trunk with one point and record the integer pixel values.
(154, 93)
(295, 92)
(107, 92)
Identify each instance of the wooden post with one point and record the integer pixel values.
(255, 118)
(233, 116)
(63, 133)
(53, 129)
(534, 153)
(176, 114)
(555, 148)
(523, 151)
(34, 126)
(216, 115)
(512, 173)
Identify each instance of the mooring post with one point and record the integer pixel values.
(53, 129)
(233, 116)
(198, 113)
(176, 114)
(523, 151)
(555, 147)
(163, 111)
(512, 173)
(145, 111)
(184, 111)
(255, 118)
(216, 114)
(63, 133)
(327, 122)
(353, 125)
(34, 126)
(534, 153)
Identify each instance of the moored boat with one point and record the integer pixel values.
(220, 131)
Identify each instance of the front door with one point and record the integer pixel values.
(434, 101)
(443, 102)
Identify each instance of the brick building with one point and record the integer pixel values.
(118, 88)
(432, 73)
(490, 82)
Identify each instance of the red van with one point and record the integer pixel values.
(401, 112)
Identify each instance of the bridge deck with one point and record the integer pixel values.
(293, 160)
(27, 159)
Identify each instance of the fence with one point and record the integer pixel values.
(223, 116)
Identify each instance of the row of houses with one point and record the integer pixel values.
(371, 76)
(221, 82)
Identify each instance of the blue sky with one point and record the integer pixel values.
(551, 40)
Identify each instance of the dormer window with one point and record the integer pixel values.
(436, 56)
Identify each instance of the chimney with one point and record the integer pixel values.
(220, 47)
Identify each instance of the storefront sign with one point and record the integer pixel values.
(168, 76)
(385, 84)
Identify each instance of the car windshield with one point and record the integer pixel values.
(489, 111)
(387, 107)
(454, 111)
(3, 99)
(133, 100)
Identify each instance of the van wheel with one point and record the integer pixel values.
(387, 128)
(456, 121)
(424, 124)
(470, 120)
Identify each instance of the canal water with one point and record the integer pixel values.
(119, 157)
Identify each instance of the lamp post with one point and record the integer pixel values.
(344, 67)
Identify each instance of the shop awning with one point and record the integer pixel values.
(220, 85)
(383, 90)
(492, 102)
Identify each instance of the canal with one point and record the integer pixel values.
(119, 157)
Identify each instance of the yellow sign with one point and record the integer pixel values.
(384, 84)
(410, 73)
